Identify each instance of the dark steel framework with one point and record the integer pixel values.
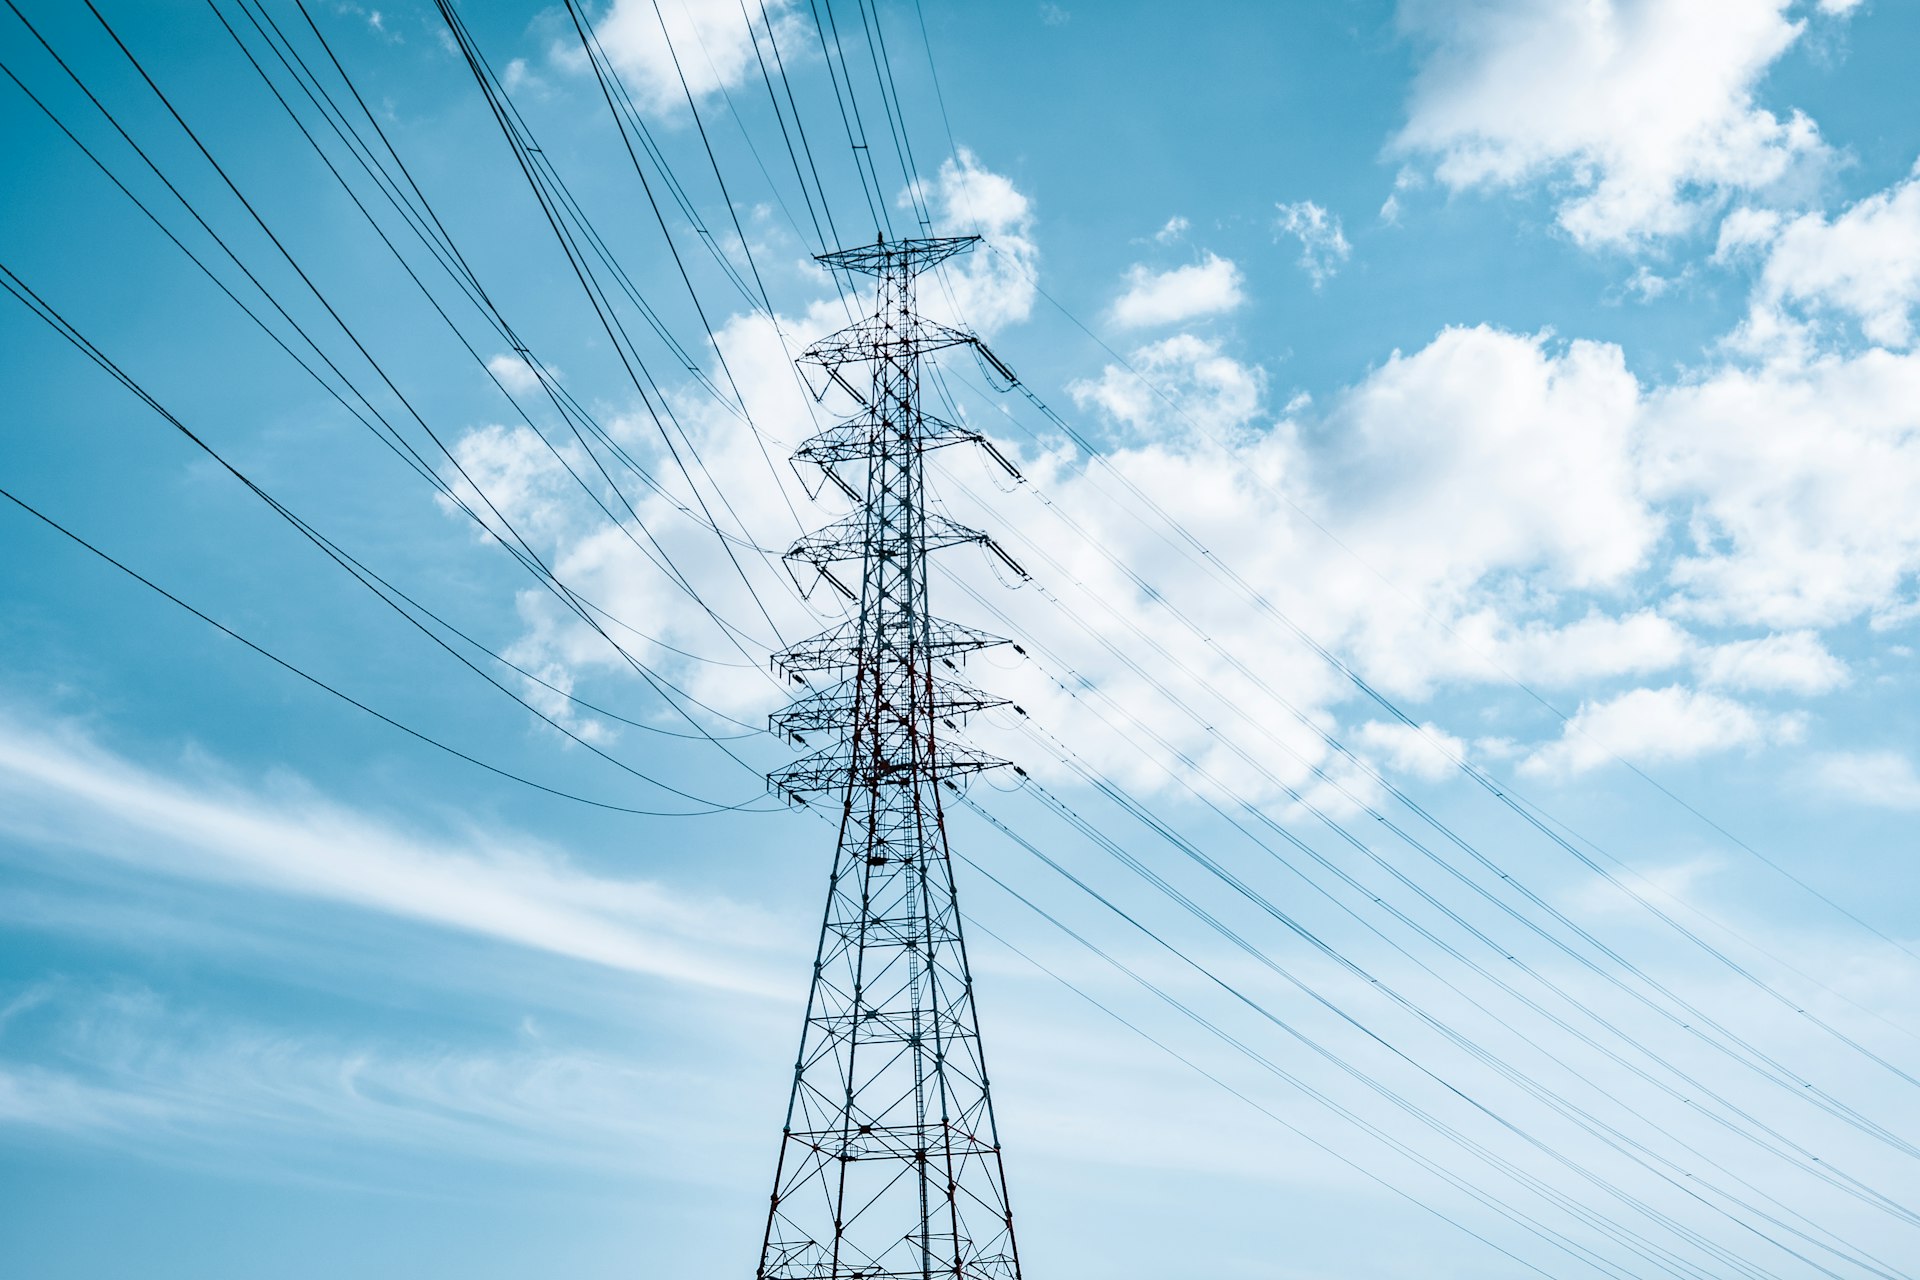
(890, 1159)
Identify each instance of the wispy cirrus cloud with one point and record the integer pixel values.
(64, 791)
(1324, 247)
(125, 1067)
(1883, 779)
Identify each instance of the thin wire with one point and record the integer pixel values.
(403, 449)
(1185, 1061)
(46, 313)
(351, 701)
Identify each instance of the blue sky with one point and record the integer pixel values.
(1549, 364)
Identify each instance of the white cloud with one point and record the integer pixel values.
(1864, 264)
(1646, 726)
(518, 77)
(514, 373)
(1795, 482)
(1596, 646)
(62, 790)
(714, 43)
(1204, 288)
(1323, 245)
(1884, 779)
(1647, 285)
(992, 287)
(1214, 392)
(1790, 662)
(1488, 450)
(1176, 228)
(1643, 110)
(1513, 500)
(1455, 471)
(615, 567)
(1428, 752)
(1744, 230)
(523, 478)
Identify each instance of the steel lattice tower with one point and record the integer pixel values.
(890, 1159)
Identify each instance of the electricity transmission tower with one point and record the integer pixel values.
(890, 1159)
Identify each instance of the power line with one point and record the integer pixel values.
(504, 531)
(52, 318)
(448, 253)
(354, 702)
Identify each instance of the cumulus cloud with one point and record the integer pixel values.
(1323, 245)
(514, 373)
(1428, 752)
(1642, 111)
(1745, 230)
(512, 469)
(1863, 265)
(1797, 482)
(633, 569)
(1595, 646)
(991, 287)
(1647, 726)
(1489, 450)
(1176, 385)
(715, 47)
(1203, 288)
(1510, 499)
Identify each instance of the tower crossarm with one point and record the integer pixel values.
(826, 709)
(828, 770)
(897, 257)
(850, 539)
(837, 649)
(860, 341)
(861, 438)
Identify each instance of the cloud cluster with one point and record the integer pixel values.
(1796, 481)
(1643, 112)
(1861, 266)
(1520, 507)
(1506, 505)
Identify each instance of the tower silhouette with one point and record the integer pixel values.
(890, 1158)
